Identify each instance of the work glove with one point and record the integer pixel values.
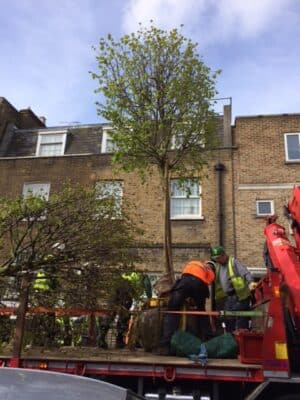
(252, 286)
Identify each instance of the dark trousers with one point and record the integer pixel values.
(232, 303)
(187, 287)
(106, 322)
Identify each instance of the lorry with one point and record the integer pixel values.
(268, 363)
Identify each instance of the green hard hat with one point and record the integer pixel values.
(216, 252)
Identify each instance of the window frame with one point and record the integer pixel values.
(47, 192)
(39, 144)
(179, 217)
(258, 214)
(287, 149)
(177, 140)
(105, 137)
(118, 199)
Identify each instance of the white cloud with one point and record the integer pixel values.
(253, 41)
(249, 18)
(46, 49)
(211, 20)
(167, 13)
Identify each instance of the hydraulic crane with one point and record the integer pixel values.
(280, 289)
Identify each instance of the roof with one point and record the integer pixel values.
(268, 115)
(84, 139)
(81, 139)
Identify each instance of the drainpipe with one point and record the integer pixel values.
(220, 168)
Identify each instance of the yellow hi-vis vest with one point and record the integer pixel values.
(41, 282)
(239, 284)
(140, 283)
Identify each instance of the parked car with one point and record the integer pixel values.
(26, 384)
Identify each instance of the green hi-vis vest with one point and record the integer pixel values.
(41, 282)
(239, 284)
(140, 283)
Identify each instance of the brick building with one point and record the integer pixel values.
(248, 170)
(266, 167)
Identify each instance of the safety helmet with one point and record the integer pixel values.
(210, 264)
(216, 252)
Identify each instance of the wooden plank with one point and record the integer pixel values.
(126, 356)
(58, 311)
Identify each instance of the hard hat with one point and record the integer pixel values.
(216, 252)
(210, 264)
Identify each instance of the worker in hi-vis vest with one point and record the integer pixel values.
(233, 286)
(127, 289)
(194, 284)
(43, 286)
(42, 282)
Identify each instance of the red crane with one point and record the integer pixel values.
(279, 290)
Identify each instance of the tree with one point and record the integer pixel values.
(77, 232)
(158, 97)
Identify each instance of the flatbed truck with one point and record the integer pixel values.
(146, 373)
(268, 365)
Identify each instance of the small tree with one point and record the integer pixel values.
(75, 230)
(158, 96)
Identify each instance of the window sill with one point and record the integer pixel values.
(49, 156)
(188, 219)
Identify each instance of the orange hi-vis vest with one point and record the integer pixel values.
(200, 270)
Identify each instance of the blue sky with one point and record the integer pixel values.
(46, 50)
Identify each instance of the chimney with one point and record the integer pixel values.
(43, 119)
(227, 125)
(27, 120)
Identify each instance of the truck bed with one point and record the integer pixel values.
(94, 361)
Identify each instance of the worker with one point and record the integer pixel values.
(233, 286)
(43, 296)
(128, 289)
(44, 285)
(193, 284)
(41, 282)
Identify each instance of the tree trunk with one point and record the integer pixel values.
(20, 321)
(92, 330)
(167, 225)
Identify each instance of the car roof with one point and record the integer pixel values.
(26, 384)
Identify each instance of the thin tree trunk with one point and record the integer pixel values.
(92, 330)
(167, 226)
(20, 321)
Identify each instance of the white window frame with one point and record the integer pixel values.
(176, 142)
(187, 216)
(44, 193)
(42, 135)
(105, 139)
(286, 146)
(119, 198)
(259, 214)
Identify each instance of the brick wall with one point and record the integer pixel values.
(10, 117)
(254, 169)
(261, 173)
(7, 114)
(191, 238)
(23, 119)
